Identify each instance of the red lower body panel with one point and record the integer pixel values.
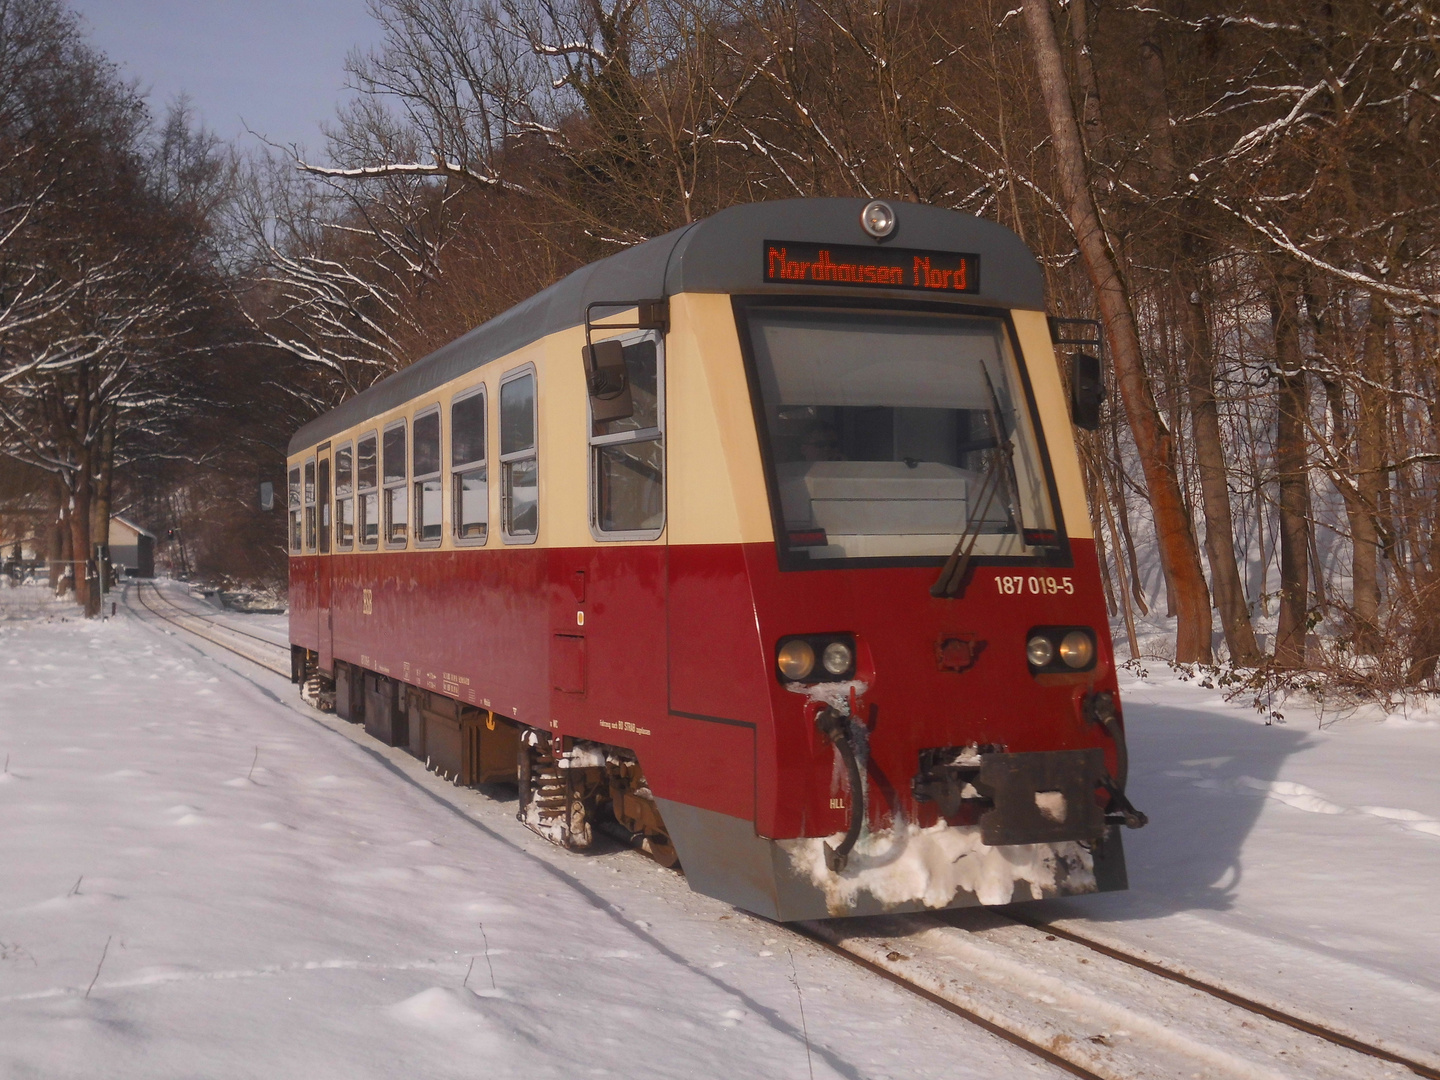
(670, 652)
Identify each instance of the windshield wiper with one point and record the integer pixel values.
(952, 574)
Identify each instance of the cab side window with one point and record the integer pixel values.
(627, 455)
(469, 487)
(367, 504)
(392, 463)
(345, 497)
(519, 463)
(426, 446)
(296, 511)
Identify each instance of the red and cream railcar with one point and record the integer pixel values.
(763, 543)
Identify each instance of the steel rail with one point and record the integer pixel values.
(226, 645)
(1014, 1038)
(950, 920)
(217, 615)
(1230, 997)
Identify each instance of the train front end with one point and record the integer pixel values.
(939, 724)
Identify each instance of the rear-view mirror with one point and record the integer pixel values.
(1087, 391)
(607, 381)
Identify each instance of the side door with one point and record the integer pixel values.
(607, 649)
(324, 626)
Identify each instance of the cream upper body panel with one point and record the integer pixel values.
(1051, 401)
(715, 480)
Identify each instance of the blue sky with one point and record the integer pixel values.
(278, 65)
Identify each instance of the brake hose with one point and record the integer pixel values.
(837, 729)
(1100, 709)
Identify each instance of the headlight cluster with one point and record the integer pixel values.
(816, 658)
(1060, 648)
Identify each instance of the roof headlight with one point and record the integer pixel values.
(878, 219)
(837, 658)
(1039, 650)
(796, 659)
(1077, 649)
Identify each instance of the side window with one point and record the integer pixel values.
(392, 463)
(295, 509)
(627, 453)
(345, 497)
(311, 518)
(469, 489)
(519, 467)
(427, 478)
(367, 499)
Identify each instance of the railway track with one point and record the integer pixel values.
(1097, 1011)
(174, 614)
(1084, 1006)
(217, 618)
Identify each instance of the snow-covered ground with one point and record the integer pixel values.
(200, 876)
(1298, 859)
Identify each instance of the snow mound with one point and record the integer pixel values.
(1394, 813)
(1297, 795)
(908, 864)
(444, 1008)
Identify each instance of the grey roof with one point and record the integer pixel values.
(721, 253)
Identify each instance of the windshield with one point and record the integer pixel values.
(884, 427)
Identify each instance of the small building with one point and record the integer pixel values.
(132, 548)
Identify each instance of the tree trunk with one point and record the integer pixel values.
(55, 555)
(1173, 527)
(80, 542)
(1369, 444)
(1292, 477)
(1225, 581)
(1093, 129)
(101, 507)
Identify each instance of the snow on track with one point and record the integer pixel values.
(152, 603)
(1099, 1013)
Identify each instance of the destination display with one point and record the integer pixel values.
(789, 262)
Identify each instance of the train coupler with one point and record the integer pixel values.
(1041, 797)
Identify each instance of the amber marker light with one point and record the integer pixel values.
(796, 659)
(1077, 649)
